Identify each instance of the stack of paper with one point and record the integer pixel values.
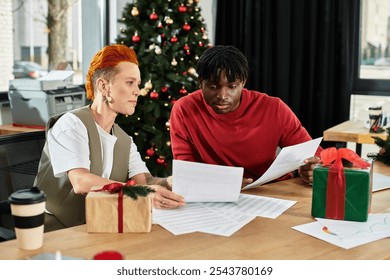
(221, 218)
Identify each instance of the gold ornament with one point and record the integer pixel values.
(168, 21)
(191, 71)
(134, 12)
(174, 62)
(149, 85)
(144, 92)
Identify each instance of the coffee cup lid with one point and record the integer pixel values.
(27, 196)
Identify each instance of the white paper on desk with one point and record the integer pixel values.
(380, 182)
(331, 231)
(196, 217)
(261, 206)
(288, 160)
(200, 182)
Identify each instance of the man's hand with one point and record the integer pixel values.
(306, 171)
(246, 181)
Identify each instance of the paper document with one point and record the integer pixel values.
(347, 234)
(288, 160)
(380, 182)
(200, 182)
(221, 218)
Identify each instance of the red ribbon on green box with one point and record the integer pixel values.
(336, 184)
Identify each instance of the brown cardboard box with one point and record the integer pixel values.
(102, 212)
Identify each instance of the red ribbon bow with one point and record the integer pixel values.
(336, 185)
(117, 188)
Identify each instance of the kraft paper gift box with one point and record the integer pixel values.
(103, 214)
(340, 192)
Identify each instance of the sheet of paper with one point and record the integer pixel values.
(328, 232)
(57, 75)
(260, 206)
(380, 182)
(220, 218)
(196, 217)
(288, 160)
(376, 225)
(200, 182)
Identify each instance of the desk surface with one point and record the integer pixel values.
(262, 238)
(12, 129)
(351, 131)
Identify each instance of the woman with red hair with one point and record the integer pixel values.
(85, 147)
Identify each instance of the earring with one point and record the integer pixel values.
(109, 99)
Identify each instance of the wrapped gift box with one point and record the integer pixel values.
(355, 194)
(102, 212)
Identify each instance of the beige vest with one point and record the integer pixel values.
(62, 202)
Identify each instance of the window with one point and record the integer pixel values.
(372, 75)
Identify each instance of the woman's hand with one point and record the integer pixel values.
(164, 198)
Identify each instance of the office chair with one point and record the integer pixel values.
(19, 158)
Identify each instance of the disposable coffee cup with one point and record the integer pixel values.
(28, 211)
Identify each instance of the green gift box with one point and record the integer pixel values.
(357, 196)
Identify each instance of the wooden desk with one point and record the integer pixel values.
(11, 129)
(352, 131)
(262, 238)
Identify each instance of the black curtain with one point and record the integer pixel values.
(299, 50)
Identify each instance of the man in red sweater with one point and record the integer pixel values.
(223, 123)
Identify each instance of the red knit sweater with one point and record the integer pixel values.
(247, 137)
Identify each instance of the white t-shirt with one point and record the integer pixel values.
(69, 148)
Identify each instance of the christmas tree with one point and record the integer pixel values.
(168, 36)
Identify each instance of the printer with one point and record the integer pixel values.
(33, 102)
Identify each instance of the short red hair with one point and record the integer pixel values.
(108, 57)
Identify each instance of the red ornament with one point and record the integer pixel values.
(160, 160)
(160, 25)
(183, 91)
(153, 16)
(164, 89)
(173, 101)
(136, 38)
(200, 44)
(154, 94)
(186, 47)
(186, 27)
(174, 39)
(182, 8)
(150, 152)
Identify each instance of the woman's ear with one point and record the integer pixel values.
(101, 84)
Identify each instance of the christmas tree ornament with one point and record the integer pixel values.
(183, 91)
(174, 39)
(174, 62)
(182, 8)
(136, 38)
(164, 89)
(154, 94)
(168, 143)
(168, 21)
(160, 160)
(157, 50)
(150, 152)
(143, 92)
(153, 16)
(134, 11)
(191, 71)
(186, 27)
(160, 25)
(200, 44)
(186, 47)
(149, 85)
(190, 2)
